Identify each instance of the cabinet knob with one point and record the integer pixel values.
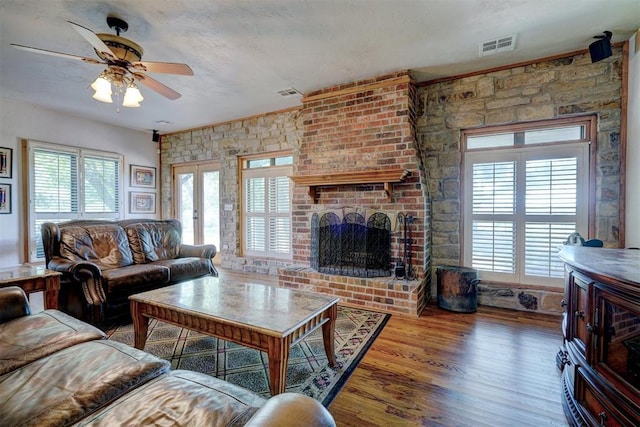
(563, 303)
(590, 328)
(603, 418)
(580, 315)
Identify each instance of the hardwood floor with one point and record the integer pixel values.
(495, 367)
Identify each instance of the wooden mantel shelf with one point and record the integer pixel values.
(384, 176)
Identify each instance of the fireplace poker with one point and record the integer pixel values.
(400, 270)
(410, 273)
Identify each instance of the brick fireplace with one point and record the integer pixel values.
(359, 154)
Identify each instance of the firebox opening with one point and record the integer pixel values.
(351, 246)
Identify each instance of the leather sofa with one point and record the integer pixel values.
(104, 262)
(56, 370)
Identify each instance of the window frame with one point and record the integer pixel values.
(268, 171)
(32, 234)
(584, 149)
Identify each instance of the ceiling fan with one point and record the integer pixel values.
(124, 66)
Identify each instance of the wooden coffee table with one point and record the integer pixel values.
(263, 317)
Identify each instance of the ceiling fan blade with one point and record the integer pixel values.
(164, 67)
(58, 54)
(95, 41)
(153, 84)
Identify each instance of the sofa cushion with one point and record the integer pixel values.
(186, 268)
(153, 241)
(181, 398)
(66, 386)
(104, 245)
(30, 338)
(134, 275)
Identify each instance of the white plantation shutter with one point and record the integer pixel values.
(280, 220)
(68, 183)
(267, 210)
(551, 186)
(522, 204)
(541, 248)
(494, 188)
(255, 215)
(551, 212)
(494, 246)
(256, 234)
(494, 191)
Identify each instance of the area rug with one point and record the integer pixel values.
(308, 371)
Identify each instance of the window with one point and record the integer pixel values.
(68, 183)
(528, 190)
(267, 206)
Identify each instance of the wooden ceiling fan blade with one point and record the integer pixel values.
(95, 41)
(164, 67)
(153, 84)
(58, 54)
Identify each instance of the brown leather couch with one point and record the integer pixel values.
(56, 370)
(104, 262)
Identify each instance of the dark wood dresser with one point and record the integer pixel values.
(601, 327)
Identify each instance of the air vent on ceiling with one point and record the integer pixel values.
(290, 91)
(501, 44)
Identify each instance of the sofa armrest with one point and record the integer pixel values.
(13, 303)
(77, 270)
(199, 251)
(88, 274)
(289, 410)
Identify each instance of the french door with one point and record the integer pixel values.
(196, 203)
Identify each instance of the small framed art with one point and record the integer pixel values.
(143, 176)
(6, 161)
(142, 203)
(5, 198)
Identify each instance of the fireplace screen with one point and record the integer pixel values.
(351, 246)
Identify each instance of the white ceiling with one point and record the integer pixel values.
(243, 51)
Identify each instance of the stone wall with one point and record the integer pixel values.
(548, 89)
(225, 143)
(571, 86)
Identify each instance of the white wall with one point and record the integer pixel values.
(632, 211)
(25, 121)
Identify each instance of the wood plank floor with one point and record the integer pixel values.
(495, 367)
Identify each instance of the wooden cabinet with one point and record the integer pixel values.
(601, 327)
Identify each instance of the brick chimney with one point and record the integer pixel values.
(353, 135)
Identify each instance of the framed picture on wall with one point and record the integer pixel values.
(142, 203)
(6, 161)
(5, 198)
(143, 176)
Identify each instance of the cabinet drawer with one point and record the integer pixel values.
(599, 409)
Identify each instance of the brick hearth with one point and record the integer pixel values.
(382, 293)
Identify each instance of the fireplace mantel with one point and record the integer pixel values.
(384, 176)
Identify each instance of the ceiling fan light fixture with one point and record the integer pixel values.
(122, 59)
(102, 88)
(132, 96)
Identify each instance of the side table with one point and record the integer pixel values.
(33, 279)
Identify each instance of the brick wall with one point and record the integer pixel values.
(364, 126)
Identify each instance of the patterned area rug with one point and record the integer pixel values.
(308, 371)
